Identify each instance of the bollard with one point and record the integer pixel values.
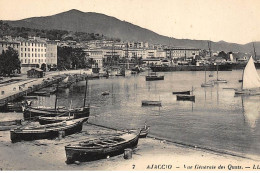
(128, 153)
(61, 134)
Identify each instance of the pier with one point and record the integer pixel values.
(13, 89)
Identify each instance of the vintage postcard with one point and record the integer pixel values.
(129, 85)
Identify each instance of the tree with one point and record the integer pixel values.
(9, 62)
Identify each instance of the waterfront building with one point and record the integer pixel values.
(4, 44)
(178, 52)
(96, 55)
(51, 53)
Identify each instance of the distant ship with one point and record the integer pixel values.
(222, 67)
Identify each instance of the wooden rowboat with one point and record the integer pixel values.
(34, 113)
(49, 120)
(101, 148)
(144, 132)
(7, 125)
(50, 131)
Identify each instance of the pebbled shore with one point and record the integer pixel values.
(151, 154)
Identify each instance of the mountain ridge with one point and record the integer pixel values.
(92, 22)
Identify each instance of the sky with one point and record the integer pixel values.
(236, 21)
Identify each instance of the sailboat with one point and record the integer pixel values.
(219, 80)
(251, 80)
(78, 112)
(207, 84)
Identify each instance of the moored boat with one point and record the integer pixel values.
(250, 80)
(101, 148)
(151, 103)
(153, 77)
(50, 131)
(181, 92)
(186, 97)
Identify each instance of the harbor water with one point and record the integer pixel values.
(217, 120)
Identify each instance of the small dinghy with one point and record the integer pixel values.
(151, 103)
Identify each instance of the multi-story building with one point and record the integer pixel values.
(33, 52)
(96, 55)
(178, 52)
(51, 53)
(4, 44)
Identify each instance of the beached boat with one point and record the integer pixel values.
(7, 125)
(183, 97)
(250, 80)
(101, 148)
(34, 112)
(151, 103)
(49, 120)
(144, 132)
(152, 77)
(49, 131)
(181, 92)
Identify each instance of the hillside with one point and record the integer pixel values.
(89, 22)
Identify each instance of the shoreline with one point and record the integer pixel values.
(150, 154)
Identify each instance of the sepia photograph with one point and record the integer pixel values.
(129, 85)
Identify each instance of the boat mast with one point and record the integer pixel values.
(254, 50)
(209, 46)
(85, 92)
(217, 72)
(56, 98)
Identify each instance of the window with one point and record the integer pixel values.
(21, 49)
(39, 55)
(28, 55)
(32, 49)
(32, 44)
(38, 50)
(25, 44)
(41, 50)
(22, 44)
(24, 49)
(28, 61)
(21, 60)
(25, 55)
(28, 44)
(21, 54)
(32, 60)
(17, 45)
(28, 49)
(25, 61)
(36, 55)
(32, 54)
(39, 60)
(35, 50)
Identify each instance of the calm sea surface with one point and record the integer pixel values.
(216, 120)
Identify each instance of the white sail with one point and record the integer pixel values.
(250, 76)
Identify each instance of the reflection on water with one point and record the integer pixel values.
(251, 109)
(216, 120)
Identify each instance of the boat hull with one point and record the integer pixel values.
(30, 135)
(86, 154)
(154, 78)
(51, 120)
(33, 113)
(151, 103)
